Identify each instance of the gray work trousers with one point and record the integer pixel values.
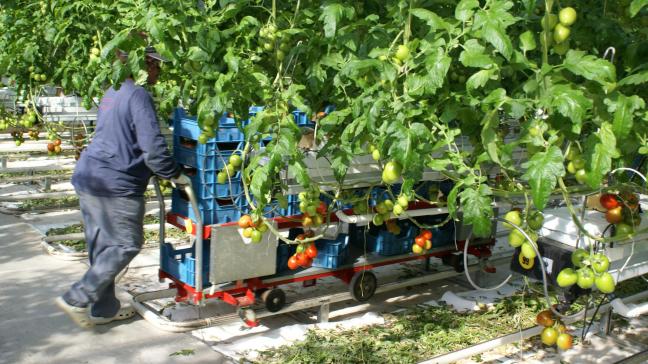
(114, 233)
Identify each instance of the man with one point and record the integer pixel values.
(110, 179)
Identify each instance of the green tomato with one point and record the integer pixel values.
(581, 176)
(516, 238)
(585, 278)
(578, 257)
(622, 230)
(528, 251)
(571, 168)
(535, 220)
(600, 263)
(514, 218)
(375, 155)
(398, 209)
(567, 277)
(561, 33)
(235, 160)
(567, 16)
(256, 236)
(221, 177)
(579, 162)
(389, 204)
(402, 53)
(605, 283)
(549, 336)
(230, 169)
(378, 219)
(573, 153)
(381, 208)
(392, 172)
(403, 201)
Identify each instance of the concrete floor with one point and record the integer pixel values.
(33, 330)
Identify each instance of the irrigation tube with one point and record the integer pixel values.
(545, 285)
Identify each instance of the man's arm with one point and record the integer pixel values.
(156, 153)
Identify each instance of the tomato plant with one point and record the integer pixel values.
(416, 79)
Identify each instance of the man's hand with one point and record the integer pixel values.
(180, 181)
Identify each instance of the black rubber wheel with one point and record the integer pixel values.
(363, 286)
(274, 299)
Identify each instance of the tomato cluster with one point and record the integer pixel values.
(554, 332)
(234, 164)
(531, 223)
(622, 212)
(305, 253)
(314, 210)
(591, 269)
(422, 242)
(54, 147)
(252, 229)
(559, 26)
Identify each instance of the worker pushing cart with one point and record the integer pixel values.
(110, 179)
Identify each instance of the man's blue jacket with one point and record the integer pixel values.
(127, 146)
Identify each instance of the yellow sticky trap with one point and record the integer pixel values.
(189, 226)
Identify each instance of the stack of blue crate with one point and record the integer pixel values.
(218, 202)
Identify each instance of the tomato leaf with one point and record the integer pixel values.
(197, 54)
(479, 79)
(477, 210)
(590, 67)
(623, 108)
(636, 6)
(332, 13)
(542, 171)
(636, 79)
(600, 149)
(527, 41)
(465, 9)
(473, 55)
(432, 19)
(496, 36)
(437, 65)
(570, 103)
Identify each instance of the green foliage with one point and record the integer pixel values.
(475, 70)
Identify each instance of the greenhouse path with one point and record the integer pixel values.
(33, 330)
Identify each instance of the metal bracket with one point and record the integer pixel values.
(323, 312)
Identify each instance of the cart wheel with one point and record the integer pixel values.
(274, 299)
(363, 286)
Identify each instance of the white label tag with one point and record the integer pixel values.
(548, 264)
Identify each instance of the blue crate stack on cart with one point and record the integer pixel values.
(218, 202)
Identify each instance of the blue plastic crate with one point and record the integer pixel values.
(331, 261)
(187, 126)
(332, 253)
(207, 162)
(181, 263)
(383, 242)
(213, 210)
(302, 119)
(333, 247)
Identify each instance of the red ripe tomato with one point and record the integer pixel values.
(302, 259)
(614, 216)
(311, 251)
(292, 263)
(322, 208)
(420, 241)
(308, 263)
(609, 201)
(427, 234)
